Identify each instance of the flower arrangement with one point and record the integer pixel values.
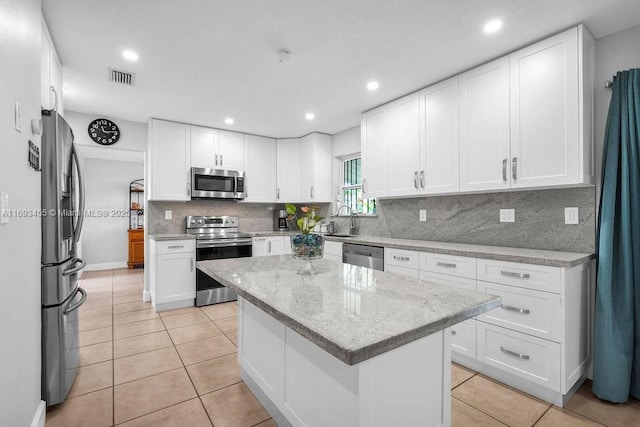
(307, 221)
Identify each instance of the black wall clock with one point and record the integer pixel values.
(103, 132)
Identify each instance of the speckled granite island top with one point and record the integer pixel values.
(502, 253)
(351, 312)
(166, 237)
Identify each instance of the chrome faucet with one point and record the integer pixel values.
(351, 215)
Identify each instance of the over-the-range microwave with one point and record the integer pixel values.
(217, 184)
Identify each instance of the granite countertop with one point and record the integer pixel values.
(165, 237)
(527, 256)
(351, 312)
(270, 233)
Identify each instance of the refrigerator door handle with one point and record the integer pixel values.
(80, 220)
(79, 303)
(79, 265)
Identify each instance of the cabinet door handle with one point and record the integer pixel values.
(364, 185)
(311, 191)
(514, 169)
(516, 275)
(516, 309)
(220, 159)
(446, 264)
(278, 194)
(191, 263)
(269, 247)
(415, 179)
(422, 179)
(216, 162)
(55, 98)
(504, 170)
(175, 246)
(189, 189)
(514, 353)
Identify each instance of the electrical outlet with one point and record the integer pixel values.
(168, 214)
(423, 214)
(571, 216)
(507, 215)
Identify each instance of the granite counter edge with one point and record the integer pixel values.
(169, 237)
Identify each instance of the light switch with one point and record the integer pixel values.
(507, 215)
(571, 216)
(168, 214)
(423, 214)
(4, 208)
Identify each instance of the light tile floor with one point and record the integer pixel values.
(179, 368)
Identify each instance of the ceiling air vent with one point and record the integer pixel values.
(122, 77)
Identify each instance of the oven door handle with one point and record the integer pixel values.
(224, 244)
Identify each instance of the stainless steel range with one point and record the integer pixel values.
(217, 237)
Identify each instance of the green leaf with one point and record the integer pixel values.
(317, 218)
(291, 209)
(301, 224)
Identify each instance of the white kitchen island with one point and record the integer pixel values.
(349, 346)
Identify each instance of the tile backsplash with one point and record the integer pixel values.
(470, 218)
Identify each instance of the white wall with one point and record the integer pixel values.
(105, 238)
(20, 238)
(344, 143)
(133, 135)
(616, 52)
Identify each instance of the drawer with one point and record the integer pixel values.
(409, 272)
(333, 248)
(448, 264)
(530, 276)
(401, 258)
(332, 257)
(531, 358)
(175, 246)
(463, 338)
(458, 282)
(532, 312)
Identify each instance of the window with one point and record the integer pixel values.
(352, 188)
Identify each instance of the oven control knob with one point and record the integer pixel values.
(199, 221)
(193, 221)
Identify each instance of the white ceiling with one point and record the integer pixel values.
(204, 60)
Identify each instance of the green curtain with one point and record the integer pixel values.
(616, 347)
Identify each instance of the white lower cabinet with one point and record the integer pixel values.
(271, 245)
(333, 251)
(172, 274)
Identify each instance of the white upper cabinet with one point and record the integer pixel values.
(439, 150)
(169, 151)
(216, 149)
(375, 142)
(548, 108)
(230, 150)
(288, 175)
(484, 127)
(50, 73)
(404, 146)
(315, 178)
(204, 144)
(260, 169)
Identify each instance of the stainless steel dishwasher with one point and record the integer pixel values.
(363, 255)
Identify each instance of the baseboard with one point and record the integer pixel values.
(105, 266)
(146, 296)
(40, 415)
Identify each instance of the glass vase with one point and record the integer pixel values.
(307, 247)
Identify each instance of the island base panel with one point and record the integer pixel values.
(301, 383)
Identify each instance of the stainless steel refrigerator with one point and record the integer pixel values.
(62, 217)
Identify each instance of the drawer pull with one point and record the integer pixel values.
(401, 258)
(446, 264)
(175, 246)
(516, 309)
(517, 275)
(514, 354)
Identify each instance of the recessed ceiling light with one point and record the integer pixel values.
(229, 121)
(372, 85)
(492, 26)
(130, 55)
(309, 116)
